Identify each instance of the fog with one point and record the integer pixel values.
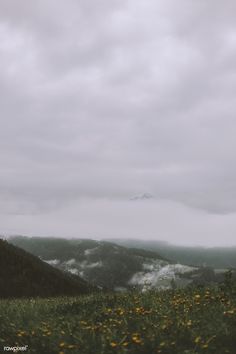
(150, 220)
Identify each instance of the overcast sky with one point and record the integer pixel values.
(104, 100)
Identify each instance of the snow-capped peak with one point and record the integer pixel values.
(142, 196)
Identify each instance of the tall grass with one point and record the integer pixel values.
(169, 322)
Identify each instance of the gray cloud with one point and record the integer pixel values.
(112, 98)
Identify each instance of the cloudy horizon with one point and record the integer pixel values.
(103, 101)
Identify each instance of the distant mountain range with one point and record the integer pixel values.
(24, 275)
(216, 257)
(110, 266)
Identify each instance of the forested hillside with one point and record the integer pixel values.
(24, 275)
(216, 257)
(104, 264)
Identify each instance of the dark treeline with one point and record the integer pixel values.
(24, 275)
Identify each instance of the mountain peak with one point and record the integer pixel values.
(142, 196)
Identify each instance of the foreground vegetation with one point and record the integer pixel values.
(182, 321)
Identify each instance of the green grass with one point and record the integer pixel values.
(183, 321)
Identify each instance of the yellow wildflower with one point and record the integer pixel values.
(113, 344)
(71, 346)
(205, 346)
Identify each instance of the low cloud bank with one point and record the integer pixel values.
(151, 219)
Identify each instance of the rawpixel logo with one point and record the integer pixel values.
(15, 349)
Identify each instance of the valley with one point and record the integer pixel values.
(110, 266)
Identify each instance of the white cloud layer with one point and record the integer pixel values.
(161, 220)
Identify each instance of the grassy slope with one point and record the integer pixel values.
(184, 322)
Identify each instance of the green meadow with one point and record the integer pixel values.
(198, 320)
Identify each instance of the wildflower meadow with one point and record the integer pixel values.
(196, 320)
